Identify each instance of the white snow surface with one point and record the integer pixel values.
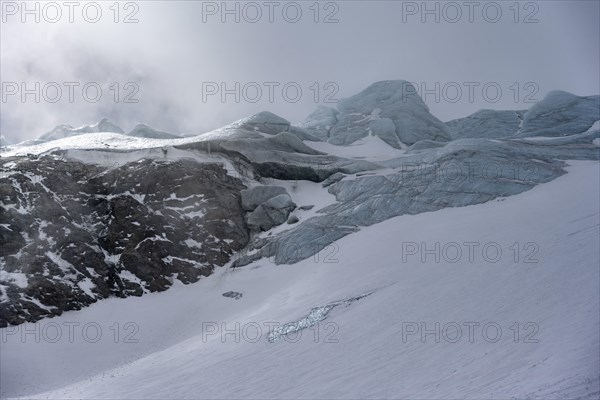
(360, 351)
(370, 148)
(97, 141)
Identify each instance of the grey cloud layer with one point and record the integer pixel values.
(171, 52)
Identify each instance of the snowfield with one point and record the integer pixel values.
(519, 319)
(370, 148)
(95, 141)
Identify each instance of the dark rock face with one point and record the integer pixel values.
(73, 233)
(233, 295)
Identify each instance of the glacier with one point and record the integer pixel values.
(148, 229)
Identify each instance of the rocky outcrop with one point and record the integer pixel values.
(74, 233)
(233, 295)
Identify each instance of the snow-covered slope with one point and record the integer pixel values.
(370, 148)
(96, 141)
(547, 293)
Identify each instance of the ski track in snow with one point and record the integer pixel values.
(559, 294)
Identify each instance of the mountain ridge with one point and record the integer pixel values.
(393, 111)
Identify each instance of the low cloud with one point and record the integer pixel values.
(177, 51)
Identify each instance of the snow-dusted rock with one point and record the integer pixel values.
(233, 295)
(75, 233)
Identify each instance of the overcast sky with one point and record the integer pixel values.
(174, 59)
